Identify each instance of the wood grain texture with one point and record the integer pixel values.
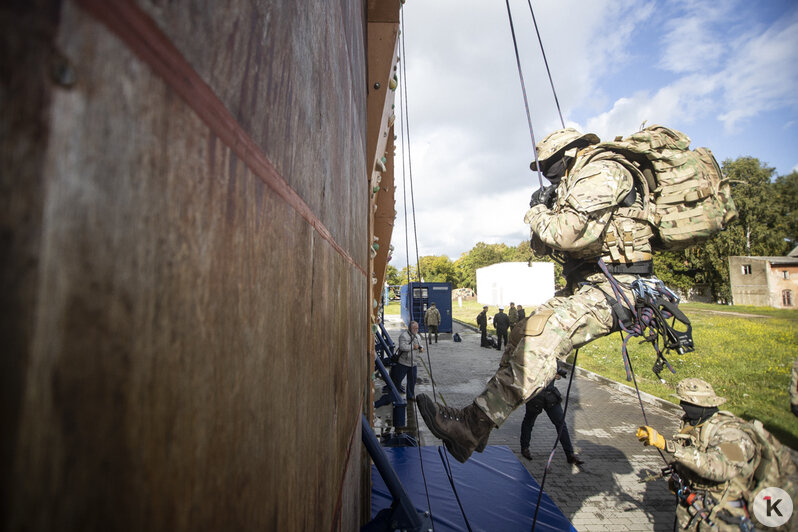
(192, 354)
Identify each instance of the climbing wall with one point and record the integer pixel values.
(185, 264)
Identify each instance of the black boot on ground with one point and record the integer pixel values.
(463, 431)
(573, 458)
(526, 454)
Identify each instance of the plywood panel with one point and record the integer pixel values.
(196, 350)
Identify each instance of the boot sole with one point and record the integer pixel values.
(427, 408)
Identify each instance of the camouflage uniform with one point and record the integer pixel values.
(717, 457)
(721, 462)
(584, 215)
(513, 315)
(593, 217)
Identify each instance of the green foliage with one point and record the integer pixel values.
(746, 353)
(392, 276)
(786, 188)
(766, 225)
(677, 269)
(434, 269)
(479, 256)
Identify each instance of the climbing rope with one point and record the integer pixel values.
(546, 62)
(407, 176)
(523, 91)
(556, 441)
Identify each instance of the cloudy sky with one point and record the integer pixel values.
(725, 73)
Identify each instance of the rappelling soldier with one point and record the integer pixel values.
(580, 217)
(719, 462)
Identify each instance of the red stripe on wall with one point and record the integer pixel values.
(152, 46)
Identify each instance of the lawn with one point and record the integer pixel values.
(746, 353)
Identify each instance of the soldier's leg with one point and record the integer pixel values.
(557, 417)
(530, 361)
(533, 410)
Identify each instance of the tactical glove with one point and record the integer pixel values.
(543, 196)
(649, 436)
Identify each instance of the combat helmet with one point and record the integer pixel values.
(698, 392)
(561, 140)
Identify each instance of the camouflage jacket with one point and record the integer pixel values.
(585, 221)
(513, 315)
(432, 317)
(716, 455)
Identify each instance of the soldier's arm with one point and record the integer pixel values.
(730, 454)
(583, 208)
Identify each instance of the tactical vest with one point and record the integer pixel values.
(773, 464)
(682, 196)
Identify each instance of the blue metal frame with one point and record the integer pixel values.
(402, 513)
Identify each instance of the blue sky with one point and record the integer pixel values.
(725, 73)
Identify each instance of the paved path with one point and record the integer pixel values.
(605, 493)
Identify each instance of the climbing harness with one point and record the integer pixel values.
(648, 317)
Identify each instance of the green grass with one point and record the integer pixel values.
(746, 359)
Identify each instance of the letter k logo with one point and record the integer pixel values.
(772, 506)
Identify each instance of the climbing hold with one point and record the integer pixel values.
(381, 165)
(375, 189)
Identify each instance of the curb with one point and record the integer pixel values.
(623, 388)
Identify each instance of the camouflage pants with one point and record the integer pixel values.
(555, 329)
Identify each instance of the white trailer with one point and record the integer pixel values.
(517, 282)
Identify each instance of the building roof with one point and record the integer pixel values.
(772, 260)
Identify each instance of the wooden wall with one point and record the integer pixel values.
(184, 240)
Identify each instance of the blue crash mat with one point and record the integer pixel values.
(496, 492)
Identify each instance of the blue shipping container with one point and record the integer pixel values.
(416, 299)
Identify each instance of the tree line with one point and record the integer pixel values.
(766, 225)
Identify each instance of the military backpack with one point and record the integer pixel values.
(775, 468)
(685, 197)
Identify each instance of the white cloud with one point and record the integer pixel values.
(708, 65)
(763, 74)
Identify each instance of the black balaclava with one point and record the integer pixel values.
(556, 169)
(694, 414)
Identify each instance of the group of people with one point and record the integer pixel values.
(502, 322)
(590, 218)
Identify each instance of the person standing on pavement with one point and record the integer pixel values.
(432, 319)
(549, 400)
(502, 322)
(409, 349)
(482, 321)
(512, 313)
(521, 312)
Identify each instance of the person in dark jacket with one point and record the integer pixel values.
(521, 312)
(502, 322)
(548, 399)
(482, 321)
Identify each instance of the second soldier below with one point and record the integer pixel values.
(719, 461)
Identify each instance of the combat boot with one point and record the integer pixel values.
(463, 431)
